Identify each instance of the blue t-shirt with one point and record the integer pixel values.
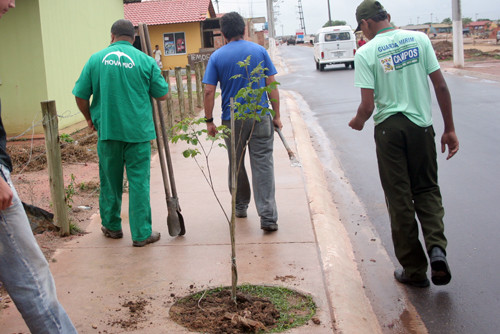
(223, 64)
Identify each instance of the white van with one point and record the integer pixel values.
(334, 45)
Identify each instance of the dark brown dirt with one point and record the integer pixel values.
(135, 313)
(217, 313)
(444, 51)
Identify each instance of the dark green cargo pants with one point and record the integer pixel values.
(113, 157)
(406, 155)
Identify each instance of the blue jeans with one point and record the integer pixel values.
(260, 145)
(25, 272)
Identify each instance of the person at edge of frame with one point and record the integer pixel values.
(24, 271)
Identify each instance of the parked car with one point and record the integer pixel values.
(334, 45)
(290, 41)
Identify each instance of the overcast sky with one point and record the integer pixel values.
(403, 12)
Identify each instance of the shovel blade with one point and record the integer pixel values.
(181, 223)
(173, 221)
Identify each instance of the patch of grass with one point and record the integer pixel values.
(295, 309)
(74, 229)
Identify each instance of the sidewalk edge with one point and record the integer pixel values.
(479, 75)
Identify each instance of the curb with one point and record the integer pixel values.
(467, 73)
(350, 307)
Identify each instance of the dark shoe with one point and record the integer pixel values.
(400, 276)
(241, 213)
(440, 272)
(112, 234)
(269, 227)
(154, 237)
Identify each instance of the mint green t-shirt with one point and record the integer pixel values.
(396, 65)
(121, 80)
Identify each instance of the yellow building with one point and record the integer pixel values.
(184, 30)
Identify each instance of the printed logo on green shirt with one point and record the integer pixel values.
(400, 60)
(118, 62)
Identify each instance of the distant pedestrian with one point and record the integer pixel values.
(121, 80)
(392, 73)
(222, 65)
(361, 42)
(157, 55)
(24, 271)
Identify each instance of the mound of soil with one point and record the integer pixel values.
(213, 311)
(444, 51)
(217, 313)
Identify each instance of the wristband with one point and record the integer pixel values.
(209, 120)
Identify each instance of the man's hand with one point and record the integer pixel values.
(6, 195)
(91, 125)
(356, 124)
(277, 123)
(449, 139)
(365, 110)
(212, 129)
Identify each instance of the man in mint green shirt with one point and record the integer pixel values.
(121, 81)
(392, 71)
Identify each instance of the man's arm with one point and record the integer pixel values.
(365, 109)
(209, 108)
(274, 96)
(161, 98)
(449, 137)
(84, 106)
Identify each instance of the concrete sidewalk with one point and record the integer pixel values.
(311, 252)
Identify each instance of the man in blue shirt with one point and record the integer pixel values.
(221, 67)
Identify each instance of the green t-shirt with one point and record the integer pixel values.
(396, 65)
(121, 80)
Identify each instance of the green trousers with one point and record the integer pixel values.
(406, 155)
(136, 157)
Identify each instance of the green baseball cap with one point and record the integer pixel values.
(366, 10)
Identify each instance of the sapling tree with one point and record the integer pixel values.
(246, 106)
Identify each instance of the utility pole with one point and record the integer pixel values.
(329, 12)
(270, 19)
(301, 17)
(458, 38)
(217, 3)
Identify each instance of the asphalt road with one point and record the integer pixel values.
(470, 185)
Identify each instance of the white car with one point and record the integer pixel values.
(334, 45)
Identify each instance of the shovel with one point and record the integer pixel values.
(294, 162)
(173, 201)
(175, 221)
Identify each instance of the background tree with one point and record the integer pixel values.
(466, 21)
(334, 23)
(447, 21)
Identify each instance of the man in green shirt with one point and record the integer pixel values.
(121, 81)
(392, 70)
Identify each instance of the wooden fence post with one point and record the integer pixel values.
(170, 109)
(190, 90)
(180, 91)
(199, 96)
(56, 180)
(202, 73)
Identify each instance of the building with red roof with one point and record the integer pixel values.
(180, 28)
